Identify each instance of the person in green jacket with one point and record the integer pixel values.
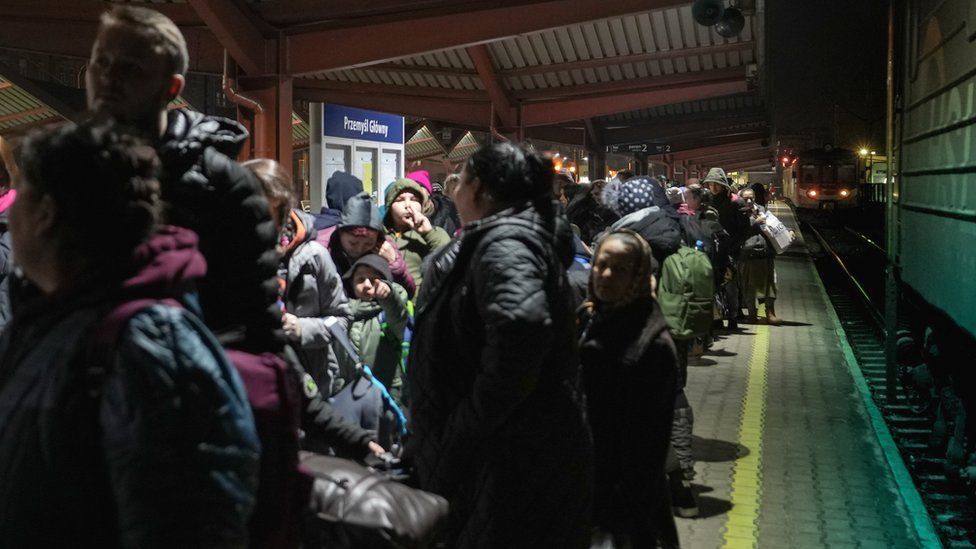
(408, 206)
(379, 318)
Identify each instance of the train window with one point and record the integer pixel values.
(810, 173)
(846, 174)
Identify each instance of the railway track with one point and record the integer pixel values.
(851, 266)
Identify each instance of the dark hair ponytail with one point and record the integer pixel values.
(513, 174)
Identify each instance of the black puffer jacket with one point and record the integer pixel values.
(207, 191)
(630, 370)
(497, 428)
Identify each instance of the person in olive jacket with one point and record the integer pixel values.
(630, 370)
(408, 207)
(497, 427)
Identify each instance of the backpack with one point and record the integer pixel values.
(685, 293)
(272, 391)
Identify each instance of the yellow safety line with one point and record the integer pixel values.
(742, 528)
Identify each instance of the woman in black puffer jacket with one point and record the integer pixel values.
(497, 428)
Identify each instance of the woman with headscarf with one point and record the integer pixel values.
(497, 427)
(630, 372)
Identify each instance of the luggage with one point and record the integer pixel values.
(685, 293)
(353, 506)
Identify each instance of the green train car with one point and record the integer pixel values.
(935, 187)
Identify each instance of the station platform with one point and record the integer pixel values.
(790, 450)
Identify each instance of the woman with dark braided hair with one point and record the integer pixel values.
(630, 369)
(122, 422)
(497, 428)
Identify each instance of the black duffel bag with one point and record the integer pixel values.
(353, 506)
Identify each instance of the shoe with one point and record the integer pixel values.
(772, 319)
(733, 325)
(682, 498)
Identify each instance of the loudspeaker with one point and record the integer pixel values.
(731, 24)
(707, 12)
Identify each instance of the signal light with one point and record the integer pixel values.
(845, 193)
(812, 193)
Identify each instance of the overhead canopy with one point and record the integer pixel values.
(609, 71)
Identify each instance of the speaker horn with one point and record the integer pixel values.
(731, 24)
(707, 12)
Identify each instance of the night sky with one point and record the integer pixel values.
(824, 53)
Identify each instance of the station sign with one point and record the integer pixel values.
(359, 124)
(640, 148)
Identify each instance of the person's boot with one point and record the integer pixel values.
(771, 317)
(682, 498)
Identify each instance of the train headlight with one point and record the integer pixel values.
(845, 193)
(812, 193)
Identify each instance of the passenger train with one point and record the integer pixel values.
(822, 178)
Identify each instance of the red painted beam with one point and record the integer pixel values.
(718, 149)
(235, 30)
(736, 158)
(370, 88)
(735, 74)
(736, 137)
(499, 98)
(469, 113)
(540, 114)
(675, 130)
(75, 39)
(351, 46)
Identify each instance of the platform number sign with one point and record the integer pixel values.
(640, 148)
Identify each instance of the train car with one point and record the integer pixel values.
(935, 181)
(822, 178)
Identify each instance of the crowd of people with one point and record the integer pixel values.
(519, 340)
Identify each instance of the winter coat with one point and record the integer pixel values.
(313, 292)
(413, 245)
(147, 442)
(496, 426)
(661, 229)
(338, 190)
(732, 219)
(6, 256)
(630, 370)
(445, 214)
(755, 243)
(379, 344)
(591, 217)
(205, 190)
(361, 212)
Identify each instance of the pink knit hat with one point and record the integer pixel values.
(422, 177)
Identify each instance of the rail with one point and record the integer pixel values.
(871, 308)
(864, 238)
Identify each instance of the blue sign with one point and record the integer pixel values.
(360, 124)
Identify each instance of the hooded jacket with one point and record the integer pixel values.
(148, 442)
(360, 212)
(338, 190)
(205, 190)
(491, 375)
(313, 292)
(413, 245)
(630, 371)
